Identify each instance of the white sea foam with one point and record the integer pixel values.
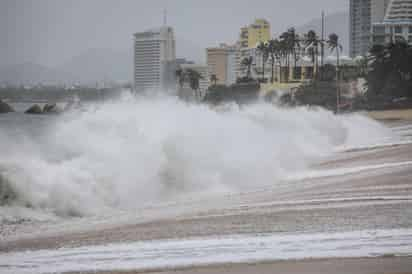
(126, 154)
(205, 251)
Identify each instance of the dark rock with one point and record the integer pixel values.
(7, 195)
(35, 109)
(5, 108)
(51, 108)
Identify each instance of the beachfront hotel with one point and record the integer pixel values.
(154, 60)
(223, 62)
(397, 24)
(250, 36)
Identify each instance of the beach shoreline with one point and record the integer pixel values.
(378, 265)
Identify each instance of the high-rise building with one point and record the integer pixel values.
(360, 26)
(378, 10)
(154, 59)
(258, 31)
(223, 62)
(217, 63)
(232, 65)
(250, 37)
(363, 14)
(397, 24)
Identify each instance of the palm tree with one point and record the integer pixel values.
(334, 45)
(214, 79)
(180, 74)
(247, 62)
(390, 63)
(264, 52)
(290, 44)
(295, 47)
(194, 78)
(274, 51)
(312, 46)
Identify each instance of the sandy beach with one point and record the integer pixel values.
(329, 266)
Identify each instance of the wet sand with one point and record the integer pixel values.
(380, 198)
(392, 115)
(394, 265)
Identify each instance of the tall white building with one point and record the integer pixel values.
(397, 24)
(154, 60)
(232, 65)
(363, 14)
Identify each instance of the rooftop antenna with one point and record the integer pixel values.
(164, 17)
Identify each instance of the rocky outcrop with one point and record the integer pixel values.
(7, 195)
(5, 108)
(51, 108)
(35, 109)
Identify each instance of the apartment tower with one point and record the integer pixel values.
(363, 14)
(223, 61)
(397, 24)
(154, 60)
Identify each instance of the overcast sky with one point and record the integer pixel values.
(50, 32)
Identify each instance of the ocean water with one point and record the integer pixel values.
(134, 152)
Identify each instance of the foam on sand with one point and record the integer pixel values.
(206, 251)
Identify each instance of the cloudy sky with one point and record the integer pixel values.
(50, 32)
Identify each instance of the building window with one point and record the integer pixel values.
(398, 29)
(379, 40)
(410, 39)
(410, 29)
(379, 30)
(399, 38)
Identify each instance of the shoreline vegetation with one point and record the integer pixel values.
(380, 81)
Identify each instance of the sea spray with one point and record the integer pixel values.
(134, 152)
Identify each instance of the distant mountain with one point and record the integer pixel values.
(30, 74)
(98, 65)
(334, 23)
(90, 67)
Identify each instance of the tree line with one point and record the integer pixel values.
(390, 69)
(285, 50)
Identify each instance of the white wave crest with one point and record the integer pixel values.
(129, 153)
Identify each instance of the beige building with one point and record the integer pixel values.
(217, 63)
(223, 62)
(258, 31)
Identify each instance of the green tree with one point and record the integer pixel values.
(274, 50)
(311, 44)
(390, 64)
(191, 76)
(247, 63)
(290, 44)
(181, 77)
(194, 78)
(264, 52)
(334, 45)
(214, 79)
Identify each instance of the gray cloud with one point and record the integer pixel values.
(50, 32)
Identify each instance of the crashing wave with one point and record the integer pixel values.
(126, 154)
